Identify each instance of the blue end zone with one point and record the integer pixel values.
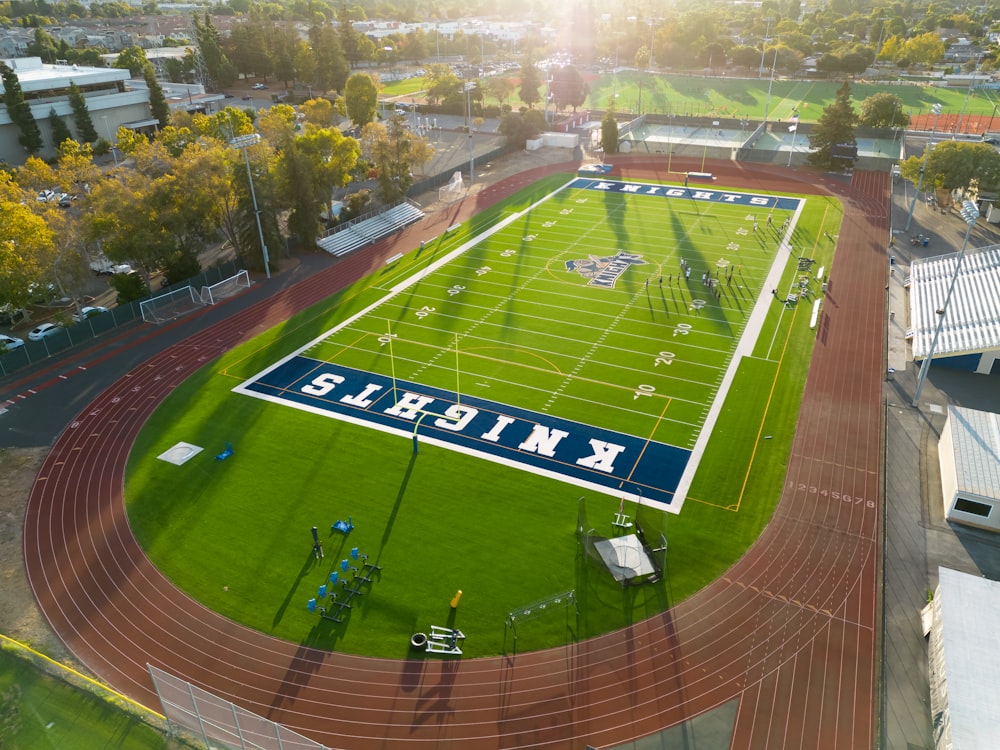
(750, 200)
(576, 453)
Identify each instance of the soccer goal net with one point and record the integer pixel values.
(170, 305)
(453, 191)
(225, 288)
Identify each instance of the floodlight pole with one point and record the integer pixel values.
(969, 214)
(468, 104)
(243, 142)
(937, 113)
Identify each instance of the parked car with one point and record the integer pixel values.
(9, 342)
(258, 87)
(88, 312)
(44, 330)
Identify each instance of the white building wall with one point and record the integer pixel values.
(946, 460)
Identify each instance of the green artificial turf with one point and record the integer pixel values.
(235, 534)
(40, 712)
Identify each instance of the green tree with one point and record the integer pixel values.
(361, 98)
(396, 153)
(81, 114)
(60, 130)
(836, 126)
(499, 88)
(331, 66)
(19, 111)
(440, 83)
(956, 165)
(531, 82)
(568, 88)
(218, 67)
(158, 106)
(883, 110)
(133, 59)
(609, 132)
(519, 127)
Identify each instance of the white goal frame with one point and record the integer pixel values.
(225, 288)
(170, 306)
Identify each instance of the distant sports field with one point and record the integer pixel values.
(476, 403)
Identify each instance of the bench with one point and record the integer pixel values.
(453, 228)
(815, 315)
(394, 258)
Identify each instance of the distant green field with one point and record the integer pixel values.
(506, 320)
(41, 712)
(748, 97)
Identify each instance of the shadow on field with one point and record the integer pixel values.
(308, 565)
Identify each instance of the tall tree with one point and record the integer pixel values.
(361, 98)
(836, 127)
(883, 110)
(219, 69)
(60, 130)
(396, 152)
(81, 114)
(531, 82)
(568, 88)
(19, 111)
(157, 101)
(331, 66)
(609, 132)
(133, 59)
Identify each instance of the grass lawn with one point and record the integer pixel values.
(532, 334)
(41, 712)
(747, 97)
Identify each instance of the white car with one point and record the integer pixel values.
(88, 312)
(9, 342)
(44, 330)
(258, 87)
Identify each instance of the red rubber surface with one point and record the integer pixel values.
(789, 630)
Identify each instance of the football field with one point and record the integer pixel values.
(591, 337)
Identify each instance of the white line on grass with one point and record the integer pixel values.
(755, 324)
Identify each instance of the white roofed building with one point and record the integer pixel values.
(969, 457)
(970, 336)
(111, 100)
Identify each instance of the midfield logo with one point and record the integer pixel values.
(605, 271)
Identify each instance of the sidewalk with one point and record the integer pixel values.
(916, 537)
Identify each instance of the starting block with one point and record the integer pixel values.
(444, 640)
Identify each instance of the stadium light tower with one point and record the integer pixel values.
(937, 113)
(969, 215)
(763, 46)
(469, 87)
(243, 142)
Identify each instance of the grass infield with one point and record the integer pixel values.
(235, 534)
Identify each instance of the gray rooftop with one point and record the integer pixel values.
(976, 441)
(970, 610)
(972, 321)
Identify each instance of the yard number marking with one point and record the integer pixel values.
(507, 253)
(455, 289)
(483, 271)
(643, 390)
(424, 311)
(682, 329)
(385, 338)
(664, 358)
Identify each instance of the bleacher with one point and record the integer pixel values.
(972, 323)
(342, 240)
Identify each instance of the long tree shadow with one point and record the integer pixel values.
(310, 563)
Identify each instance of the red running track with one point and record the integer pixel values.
(789, 631)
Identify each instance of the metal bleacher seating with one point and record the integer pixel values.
(973, 319)
(344, 239)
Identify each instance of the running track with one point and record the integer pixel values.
(789, 631)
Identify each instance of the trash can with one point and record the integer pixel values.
(890, 375)
(927, 241)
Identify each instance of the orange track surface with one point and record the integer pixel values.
(789, 631)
